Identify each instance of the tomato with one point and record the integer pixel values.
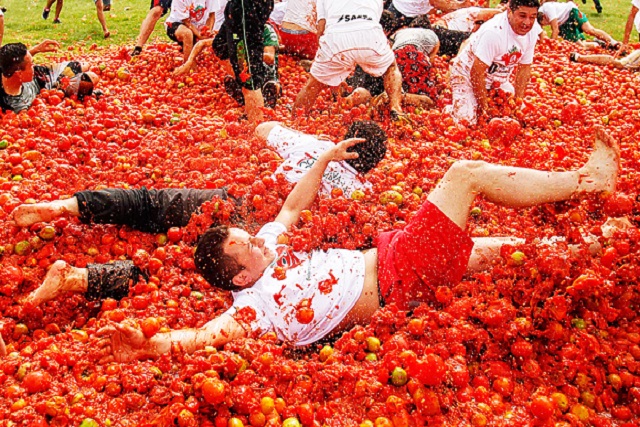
(36, 382)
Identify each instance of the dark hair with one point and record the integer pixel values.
(12, 58)
(372, 150)
(388, 21)
(212, 263)
(515, 4)
(540, 17)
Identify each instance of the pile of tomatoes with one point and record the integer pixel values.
(548, 336)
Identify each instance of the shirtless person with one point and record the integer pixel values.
(407, 265)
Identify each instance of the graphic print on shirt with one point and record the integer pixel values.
(347, 18)
(334, 178)
(196, 12)
(285, 258)
(508, 59)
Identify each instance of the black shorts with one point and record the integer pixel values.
(164, 4)
(450, 40)
(172, 27)
(111, 280)
(153, 211)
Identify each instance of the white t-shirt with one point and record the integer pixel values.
(330, 281)
(278, 12)
(636, 21)
(555, 10)
(462, 19)
(302, 13)
(300, 152)
(352, 15)
(496, 45)
(196, 11)
(218, 7)
(412, 8)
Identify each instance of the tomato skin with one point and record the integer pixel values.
(36, 382)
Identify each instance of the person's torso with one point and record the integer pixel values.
(302, 13)
(461, 19)
(559, 11)
(412, 8)
(353, 15)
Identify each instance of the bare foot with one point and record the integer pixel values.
(26, 215)
(60, 278)
(600, 173)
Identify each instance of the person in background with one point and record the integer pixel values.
(632, 21)
(190, 21)
(158, 9)
(2, 10)
(100, 8)
(47, 10)
(298, 32)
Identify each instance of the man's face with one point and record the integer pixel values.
(26, 73)
(250, 252)
(522, 19)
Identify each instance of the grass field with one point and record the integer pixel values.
(24, 22)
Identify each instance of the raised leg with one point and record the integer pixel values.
(598, 60)
(520, 187)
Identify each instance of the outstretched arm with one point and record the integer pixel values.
(555, 29)
(44, 46)
(449, 5)
(192, 56)
(125, 343)
(304, 193)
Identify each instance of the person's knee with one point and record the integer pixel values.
(184, 34)
(155, 13)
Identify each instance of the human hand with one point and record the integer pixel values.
(339, 151)
(124, 342)
(46, 46)
(182, 69)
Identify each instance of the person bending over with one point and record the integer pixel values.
(22, 81)
(568, 22)
(502, 45)
(271, 89)
(350, 34)
(190, 21)
(304, 297)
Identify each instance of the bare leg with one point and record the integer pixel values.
(60, 278)
(3, 349)
(393, 87)
(307, 96)
(185, 36)
(59, 4)
(148, 25)
(253, 105)
(103, 21)
(599, 60)
(26, 215)
(487, 249)
(520, 187)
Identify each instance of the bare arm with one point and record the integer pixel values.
(187, 23)
(523, 74)
(478, 82)
(189, 63)
(448, 5)
(125, 343)
(44, 46)
(211, 21)
(486, 14)
(629, 27)
(321, 25)
(1, 28)
(555, 29)
(304, 193)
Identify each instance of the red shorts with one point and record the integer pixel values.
(431, 251)
(303, 44)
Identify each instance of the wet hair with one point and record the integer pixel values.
(371, 151)
(540, 18)
(12, 58)
(212, 263)
(515, 4)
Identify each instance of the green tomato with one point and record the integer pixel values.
(399, 377)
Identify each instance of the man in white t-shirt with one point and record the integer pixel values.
(401, 13)
(190, 21)
(632, 20)
(350, 34)
(304, 297)
(503, 44)
(568, 22)
(298, 31)
(300, 152)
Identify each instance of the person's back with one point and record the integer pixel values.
(352, 15)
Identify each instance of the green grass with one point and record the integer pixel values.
(23, 21)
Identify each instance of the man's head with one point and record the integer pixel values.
(230, 258)
(371, 151)
(522, 15)
(15, 60)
